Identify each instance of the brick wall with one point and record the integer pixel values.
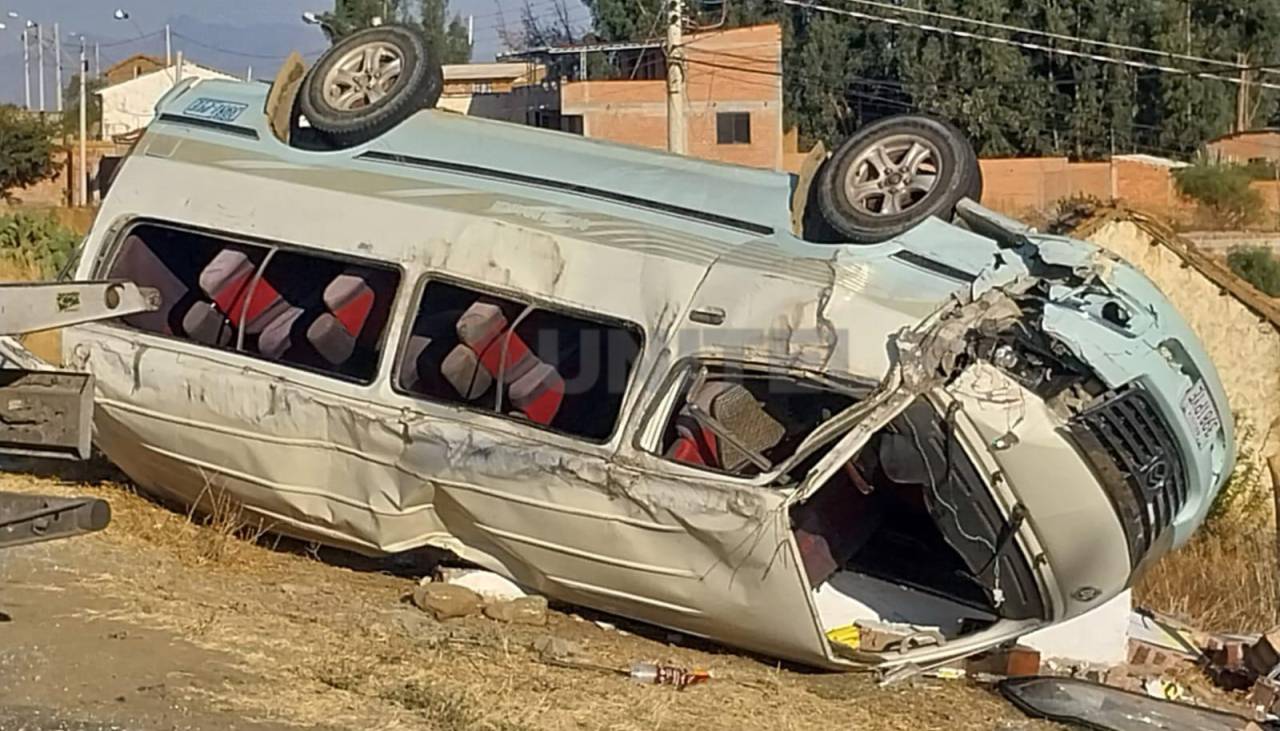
(1246, 146)
(59, 191)
(732, 71)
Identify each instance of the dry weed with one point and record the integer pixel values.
(223, 530)
(1224, 579)
(16, 269)
(45, 345)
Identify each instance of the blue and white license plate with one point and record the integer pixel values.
(1198, 408)
(215, 109)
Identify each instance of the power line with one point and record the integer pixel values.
(1023, 44)
(129, 41)
(1060, 119)
(1056, 36)
(243, 54)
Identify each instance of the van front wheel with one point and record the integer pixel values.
(369, 82)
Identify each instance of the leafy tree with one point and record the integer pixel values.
(349, 16)
(71, 105)
(26, 150)
(841, 72)
(1258, 266)
(448, 36)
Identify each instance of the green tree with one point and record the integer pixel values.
(840, 72)
(349, 16)
(26, 150)
(71, 105)
(447, 35)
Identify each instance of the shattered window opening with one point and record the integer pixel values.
(744, 420)
(911, 510)
(303, 309)
(504, 355)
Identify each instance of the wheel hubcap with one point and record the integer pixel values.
(363, 76)
(893, 175)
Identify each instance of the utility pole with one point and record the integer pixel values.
(57, 63)
(1242, 94)
(40, 62)
(26, 67)
(168, 47)
(677, 136)
(83, 195)
(97, 60)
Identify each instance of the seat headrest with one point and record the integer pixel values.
(734, 406)
(462, 369)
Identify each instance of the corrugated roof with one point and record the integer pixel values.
(468, 71)
(1245, 133)
(1162, 162)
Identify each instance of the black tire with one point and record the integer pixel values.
(973, 191)
(417, 86)
(903, 200)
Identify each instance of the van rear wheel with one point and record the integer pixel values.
(369, 82)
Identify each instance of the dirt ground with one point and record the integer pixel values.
(161, 624)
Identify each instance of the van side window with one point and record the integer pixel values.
(302, 309)
(743, 419)
(503, 355)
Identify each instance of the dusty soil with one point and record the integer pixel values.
(160, 623)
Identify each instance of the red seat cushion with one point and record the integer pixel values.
(538, 393)
(483, 328)
(693, 445)
(227, 279)
(350, 298)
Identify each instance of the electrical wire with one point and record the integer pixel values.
(1055, 36)
(242, 54)
(1023, 44)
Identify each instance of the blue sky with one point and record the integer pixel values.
(228, 34)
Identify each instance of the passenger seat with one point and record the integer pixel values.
(533, 386)
(740, 412)
(349, 300)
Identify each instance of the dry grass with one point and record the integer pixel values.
(14, 269)
(224, 531)
(1227, 578)
(46, 345)
(339, 648)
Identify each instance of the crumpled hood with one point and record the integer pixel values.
(1111, 316)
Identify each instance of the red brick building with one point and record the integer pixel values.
(734, 99)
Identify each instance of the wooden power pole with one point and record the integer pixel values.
(677, 135)
(1242, 95)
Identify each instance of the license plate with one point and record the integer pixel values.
(215, 109)
(1198, 407)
